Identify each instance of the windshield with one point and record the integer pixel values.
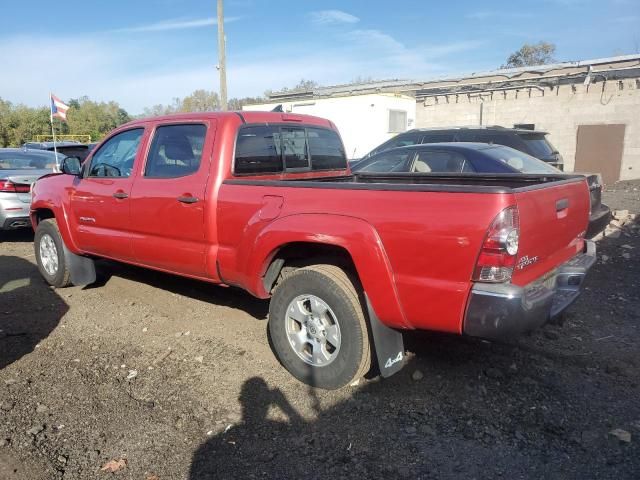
(538, 145)
(19, 160)
(519, 160)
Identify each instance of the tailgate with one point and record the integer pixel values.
(553, 222)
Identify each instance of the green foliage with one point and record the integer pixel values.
(540, 53)
(199, 101)
(96, 119)
(20, 124)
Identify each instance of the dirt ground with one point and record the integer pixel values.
(168, 378)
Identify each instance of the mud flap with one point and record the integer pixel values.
(387, 343)
(83, 269)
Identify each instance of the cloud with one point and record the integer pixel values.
(327, 17)
(109, 65)
(176, 24)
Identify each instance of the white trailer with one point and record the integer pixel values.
(364, 121)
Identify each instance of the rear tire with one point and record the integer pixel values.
(317, 327)
(50, 257)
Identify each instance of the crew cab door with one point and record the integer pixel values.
(100, 203)
(168, 199)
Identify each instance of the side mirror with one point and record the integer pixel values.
(71, 166)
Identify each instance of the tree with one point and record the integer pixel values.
(540, 53)
(238, 103)
(20, 124)
(94, 118)
(201, 101)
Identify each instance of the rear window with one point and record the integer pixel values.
(538, 145)
(275, 148)
(28, 161)
(258, 150)
(326, 150)
(519, 160)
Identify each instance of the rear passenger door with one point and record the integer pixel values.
(168, 202)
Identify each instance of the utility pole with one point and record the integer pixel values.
(222, 60)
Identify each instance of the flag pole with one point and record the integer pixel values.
(53, 131)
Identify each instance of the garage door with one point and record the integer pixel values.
(599, 150)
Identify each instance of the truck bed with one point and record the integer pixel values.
(423, 182)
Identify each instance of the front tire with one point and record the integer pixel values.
(317, 327)
(50, 257)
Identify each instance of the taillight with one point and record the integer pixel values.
(500, 248)
(7, 186)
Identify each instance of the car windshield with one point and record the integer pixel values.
(29, 161)
(538, 145)
(519, 160)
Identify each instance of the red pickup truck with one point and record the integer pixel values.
(265, 201)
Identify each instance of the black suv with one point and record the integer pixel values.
(69, 149)
(533, 142)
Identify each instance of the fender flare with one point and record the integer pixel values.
(356, 236)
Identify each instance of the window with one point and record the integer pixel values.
(176, 151)
(386, 162)
(497, 138)
(438, 138)
(409, 138)
(272, 148)
(258, 150)
(325, 147)
(115, 158)
(440, 162)
(538, 145)
(519, 160)
(397, 121)
(294, 147)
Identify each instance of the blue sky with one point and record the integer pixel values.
(144, 52)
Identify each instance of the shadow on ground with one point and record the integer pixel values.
(541, 406)
(29, 309)
(198, 290)
(23, 235)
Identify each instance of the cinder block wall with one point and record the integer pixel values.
(559, 111)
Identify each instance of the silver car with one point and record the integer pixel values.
(19, 168)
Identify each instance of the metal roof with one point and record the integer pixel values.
(531, 73)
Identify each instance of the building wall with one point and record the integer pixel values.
(558, 111)
(363, 120)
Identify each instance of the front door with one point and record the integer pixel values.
(168, 199)
(100, 201)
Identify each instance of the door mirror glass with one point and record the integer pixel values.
(71, 166)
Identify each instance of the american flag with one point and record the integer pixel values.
(58, 108)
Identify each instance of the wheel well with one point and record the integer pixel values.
(43, 214)
(302, 254)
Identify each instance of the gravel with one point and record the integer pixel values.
(212, 402)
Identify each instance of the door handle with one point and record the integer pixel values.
(120, 195)
(562, 204)
(187, 199)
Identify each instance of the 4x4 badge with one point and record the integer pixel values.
(391, 361)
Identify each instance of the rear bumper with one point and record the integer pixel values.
(598, 220)
(498, 311)
(13, 212)
(12, 223)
